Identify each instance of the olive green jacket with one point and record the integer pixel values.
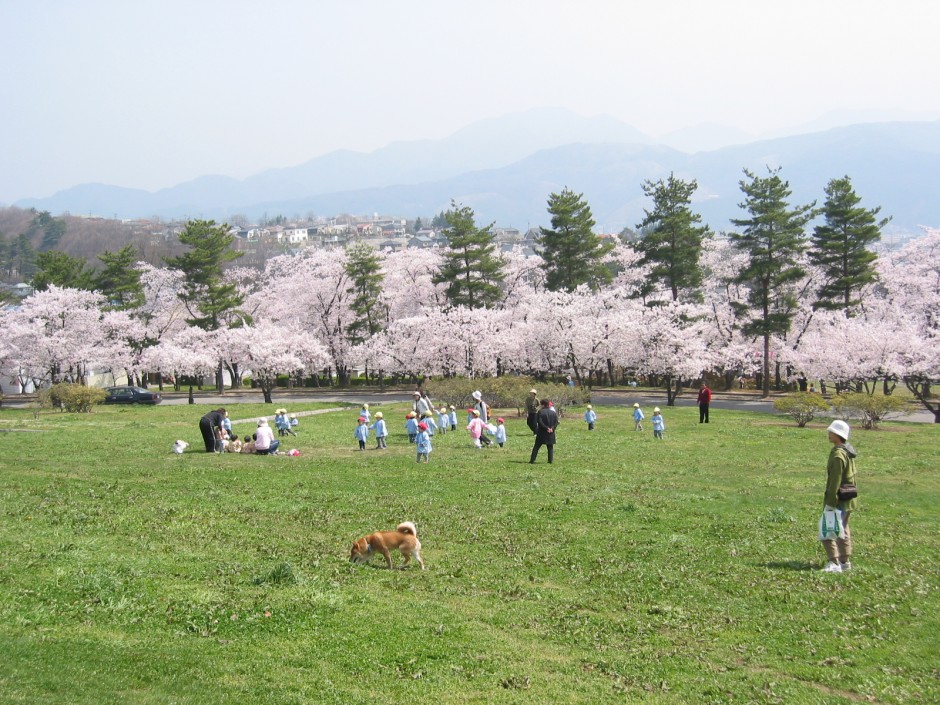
(840, 471)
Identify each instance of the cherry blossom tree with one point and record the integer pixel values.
(190, 351)
(65, 334)
(268, 349)
(910, 279)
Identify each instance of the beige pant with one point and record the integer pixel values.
(840, 550)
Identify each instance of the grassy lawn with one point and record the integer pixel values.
(631, 570)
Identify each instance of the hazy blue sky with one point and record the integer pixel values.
(149, 94)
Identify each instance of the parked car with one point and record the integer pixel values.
(130, 395)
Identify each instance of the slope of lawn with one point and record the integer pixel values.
(630, 570)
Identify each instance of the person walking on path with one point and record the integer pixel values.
(209, 425)
(841, 496)
(546, 425)
(531, 409)
(704, 399)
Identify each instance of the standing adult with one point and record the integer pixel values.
(840, 473)
(265, 442)
(420, 404)
(208, 426)
(704, 399)
(531, 409)
(484, 409)
(546, 424)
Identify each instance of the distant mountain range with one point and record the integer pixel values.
(505, 169)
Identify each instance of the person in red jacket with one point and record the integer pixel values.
(704, 399)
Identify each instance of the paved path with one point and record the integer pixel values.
(601, 396)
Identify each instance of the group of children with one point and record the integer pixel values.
(226, 441)
(659, 424)
(421, 430)
(286, 424)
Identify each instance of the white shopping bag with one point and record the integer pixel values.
(830, 525)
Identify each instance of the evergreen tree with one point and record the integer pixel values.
(205, 292)
(52, 230)
(471, 269)
(119, 280)
(22, 257)
(365, 270)
(840, 246)
(773, 238)
(61, 269)
(672, 243)
(573, 254)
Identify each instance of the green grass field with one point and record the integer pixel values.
(630, 571)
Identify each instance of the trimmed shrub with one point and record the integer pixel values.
(74, 398)
(871, 410)
(802, 406)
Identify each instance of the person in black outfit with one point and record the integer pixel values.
(531, 409)
(546, 423)
(207, 426)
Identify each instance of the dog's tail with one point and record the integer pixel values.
(407, 527)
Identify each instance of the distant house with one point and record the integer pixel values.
(392, 245)
(20, 291)
(296, 236)
(423, 242)
(255, 233)
(507, 235)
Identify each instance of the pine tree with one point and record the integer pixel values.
(471, 269)
(672, 244)
(840, 246)
(773, 238)
(119, 279)
(365, 272)
(205, 292)
(573, 254)
(61, 269)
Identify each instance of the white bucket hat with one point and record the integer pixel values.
(840, 428)
(477, 395)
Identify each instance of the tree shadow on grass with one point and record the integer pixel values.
(791, 565)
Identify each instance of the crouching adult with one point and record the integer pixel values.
(265, 443)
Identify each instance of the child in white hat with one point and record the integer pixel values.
(659, 425)
(590, 417)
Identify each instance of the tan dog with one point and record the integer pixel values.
(404, 538)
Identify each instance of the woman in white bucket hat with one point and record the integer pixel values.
(841, 496)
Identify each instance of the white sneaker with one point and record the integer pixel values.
(846, 567)
(832, 568)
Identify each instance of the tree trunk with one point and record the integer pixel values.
(219, 378)
(192, 400)
(765, 369)
(670, 394)
(921, 391)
